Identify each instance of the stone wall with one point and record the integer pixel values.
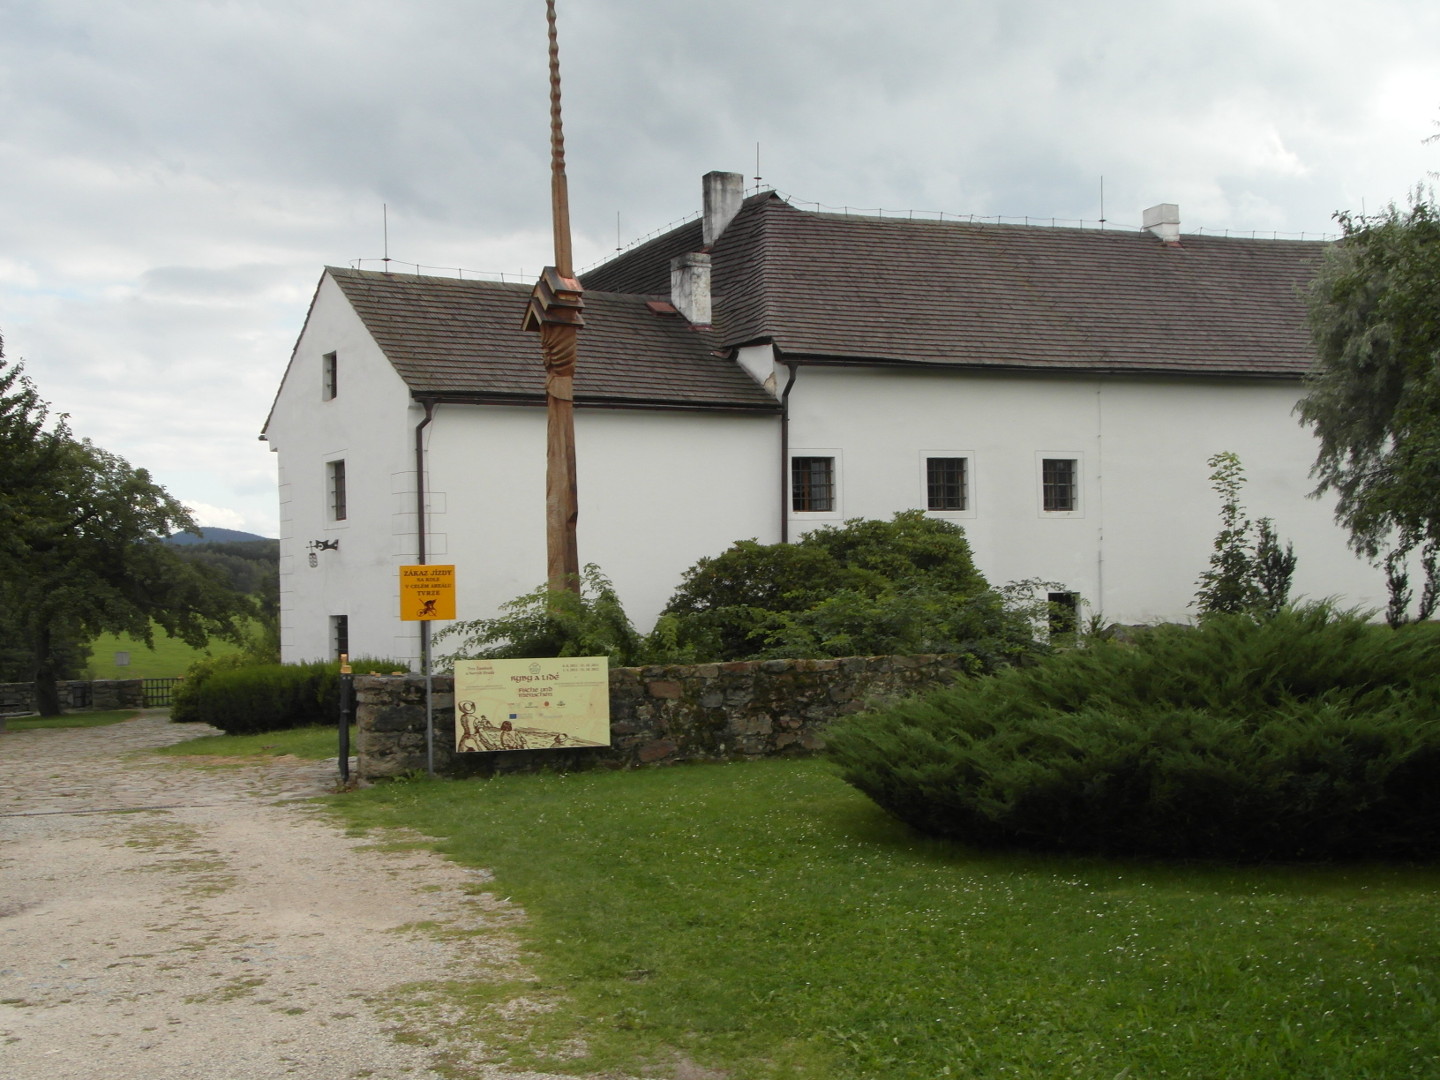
(658, 715)
(77, 694)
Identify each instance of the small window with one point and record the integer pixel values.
(812, 484)
(335, 480)
(1064, 615)
(946, 483)
(1058, 487)
(339, 635)
(331, 375)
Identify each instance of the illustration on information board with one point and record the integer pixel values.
(540, 704)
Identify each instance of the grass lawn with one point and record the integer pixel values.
(315, 743)
(766, 920)
(71, 720)
(168, 660)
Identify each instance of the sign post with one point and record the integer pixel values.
(427, 593)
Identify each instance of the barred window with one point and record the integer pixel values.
(1058, 484)
(812, 484)
(331, 376)
(335, 481)
(339, 635)
(946, 483)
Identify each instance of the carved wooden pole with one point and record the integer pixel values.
(555, 311)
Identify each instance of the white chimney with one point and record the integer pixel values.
(1164, 222)
(724, 192)
(690, 287)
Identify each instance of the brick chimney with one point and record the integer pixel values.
(1164, 221)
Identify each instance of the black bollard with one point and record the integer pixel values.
(347, 706)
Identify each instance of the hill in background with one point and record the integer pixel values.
(214, 536)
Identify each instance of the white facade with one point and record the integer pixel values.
(658, 490)
(1146, 518)
(661, 488)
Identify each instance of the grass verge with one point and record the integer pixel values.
(314, 743)
(766, 920)
(70, 720)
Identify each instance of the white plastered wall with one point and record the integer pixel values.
(1147, 517)
(658, 490)
(368, 425)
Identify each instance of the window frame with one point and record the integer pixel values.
(336, 492)
(1062, 616)
(815, 455)
(1077, 483)
(339, 636)
(968, 510)
(329, 376)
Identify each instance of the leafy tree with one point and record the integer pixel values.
(1374, 397)
(1250, 573)
(81, 549)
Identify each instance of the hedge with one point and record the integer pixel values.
(1312, 735)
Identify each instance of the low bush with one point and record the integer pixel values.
(1311, 735)
(271, 697)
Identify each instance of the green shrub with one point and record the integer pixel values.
(185, 699)
(868, 587)
(273, 697)
(543, 622)
(1311, 735)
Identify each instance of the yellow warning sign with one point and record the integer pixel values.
(427, 592)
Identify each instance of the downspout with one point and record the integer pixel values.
(785, 452)
(420, 484)
(420, 557)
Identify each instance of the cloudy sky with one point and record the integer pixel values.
(175, 173)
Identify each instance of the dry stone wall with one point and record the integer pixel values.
(658, 715)
(77, 694)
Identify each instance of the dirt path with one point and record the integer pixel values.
(162, 921)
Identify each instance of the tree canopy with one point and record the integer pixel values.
(1374, 394)
(81, 544)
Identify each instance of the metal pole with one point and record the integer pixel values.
(429, 691)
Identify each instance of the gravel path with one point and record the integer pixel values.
(167, 922)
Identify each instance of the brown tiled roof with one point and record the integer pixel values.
(833, 288)
(461, 339)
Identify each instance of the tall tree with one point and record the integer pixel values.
(81, 548)
(1374, 396)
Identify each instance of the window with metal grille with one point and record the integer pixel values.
(945, 483)
(1057, 484)
(335, 480)
(331, 375)
(339, 635)
(812, 484)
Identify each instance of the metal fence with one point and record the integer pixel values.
(159, 693)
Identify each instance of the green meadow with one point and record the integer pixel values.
(169, 659)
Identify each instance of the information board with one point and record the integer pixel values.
(427, 592)
(544, 704)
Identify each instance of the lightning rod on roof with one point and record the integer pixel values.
(757, 166)
(1102, 202)
(385, 234)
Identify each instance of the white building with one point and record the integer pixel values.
(1058, 392)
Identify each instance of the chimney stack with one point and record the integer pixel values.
(1164, 221)
(690, 287)
(724, 192)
